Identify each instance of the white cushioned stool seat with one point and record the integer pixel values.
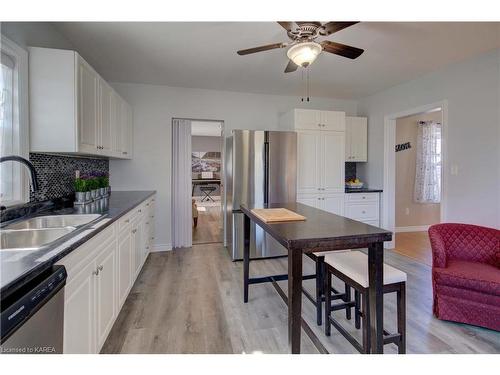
(354, 264)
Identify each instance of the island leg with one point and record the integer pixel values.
(294, 299)
(376, 296)
(246, 256)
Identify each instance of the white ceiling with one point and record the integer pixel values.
(206, 128)
(203, 55)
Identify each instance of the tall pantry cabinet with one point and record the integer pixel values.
(320, 157)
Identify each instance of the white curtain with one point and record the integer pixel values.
(428, 166)
(181, 183)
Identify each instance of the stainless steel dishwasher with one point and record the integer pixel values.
(32, 318)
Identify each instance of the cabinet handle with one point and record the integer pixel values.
(147, 222)
(363, 197)
(100, 268)
(363, 212)
(152, 216)
(134, 230)
(140, 211)
(96, 272)
(127, 221)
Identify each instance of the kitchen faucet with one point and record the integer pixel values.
(34, 180)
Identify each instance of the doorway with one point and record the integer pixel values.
(414, 196)
(207, 171)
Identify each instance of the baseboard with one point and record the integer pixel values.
(161, 247)
(416, 228)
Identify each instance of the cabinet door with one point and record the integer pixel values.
(359, 139)
(125, 265)
(87, 108)
(105, 125)
(137, 246)
(79, 312)
(106, 301)
(145, 232)
(348, 137)
(332, 162)
(116, 124)
(307, 119)
(309, 200)
(332, 120)
(333, 203)
(125, 124)
(308, 162)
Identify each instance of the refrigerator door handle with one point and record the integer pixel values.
(266, 172)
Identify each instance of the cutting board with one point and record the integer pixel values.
(276, 215)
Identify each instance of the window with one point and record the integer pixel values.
(428, 169)
(13, 121)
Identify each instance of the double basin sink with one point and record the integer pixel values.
(37, 232)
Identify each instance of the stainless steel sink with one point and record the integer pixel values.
(54, 221)
(31, 239)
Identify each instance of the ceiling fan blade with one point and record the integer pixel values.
(261, 48)
(341, 49)
(288, 26)
(333, 27)
(291, 67)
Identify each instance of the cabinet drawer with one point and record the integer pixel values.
(124, 222)
(362, 197)
(368, 211)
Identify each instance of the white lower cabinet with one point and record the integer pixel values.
(106, 285)
(363, 207)
(79, 312)
(333, 203)
(101, 273)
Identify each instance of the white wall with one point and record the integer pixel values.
(472, 90)
(155, 106)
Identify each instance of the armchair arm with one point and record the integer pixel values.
(438, 248)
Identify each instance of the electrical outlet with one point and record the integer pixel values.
(454, 170)
(77, 174)
(407, 211)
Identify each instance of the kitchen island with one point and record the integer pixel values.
(320, 232)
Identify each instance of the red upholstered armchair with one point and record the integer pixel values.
(466, 274)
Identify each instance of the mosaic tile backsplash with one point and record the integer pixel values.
(56, 173)
(350, 170)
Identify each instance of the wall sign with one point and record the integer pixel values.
(403, 146)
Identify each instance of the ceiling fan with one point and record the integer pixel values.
(303, 47)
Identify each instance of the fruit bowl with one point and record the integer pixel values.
(354, 185)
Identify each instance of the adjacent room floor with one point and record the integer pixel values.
(190, 301)
(415, 245)
(210, 227)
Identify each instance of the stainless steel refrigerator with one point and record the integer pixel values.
(261, 168)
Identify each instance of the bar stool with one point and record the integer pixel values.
(352, 268)
(320, 292)
(207, 190)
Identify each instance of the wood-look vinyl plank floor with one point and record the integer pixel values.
(209, 228)
(415, 245)
(191, 301)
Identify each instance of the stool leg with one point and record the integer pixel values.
(366, 322)
(347, 298)
(357, 313)
(401, 307)
(319, 289)
(328, 300)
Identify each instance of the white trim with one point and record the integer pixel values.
(161, 247)
(388, 195)
(416, 228)
(21, 114)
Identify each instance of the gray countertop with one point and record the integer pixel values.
(18, 267)
(363, 190)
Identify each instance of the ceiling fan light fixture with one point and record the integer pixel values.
(304, 54)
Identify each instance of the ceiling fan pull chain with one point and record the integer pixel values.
(307, 85)
(302, 82)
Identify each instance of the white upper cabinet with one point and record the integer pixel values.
(308, 162)
(312, 119)
(72, 109)
(332, 162)
(356, 145)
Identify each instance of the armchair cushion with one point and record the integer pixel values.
(466, 275)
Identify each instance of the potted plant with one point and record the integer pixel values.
(103, 181)
(93, 186)
(82, 194)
